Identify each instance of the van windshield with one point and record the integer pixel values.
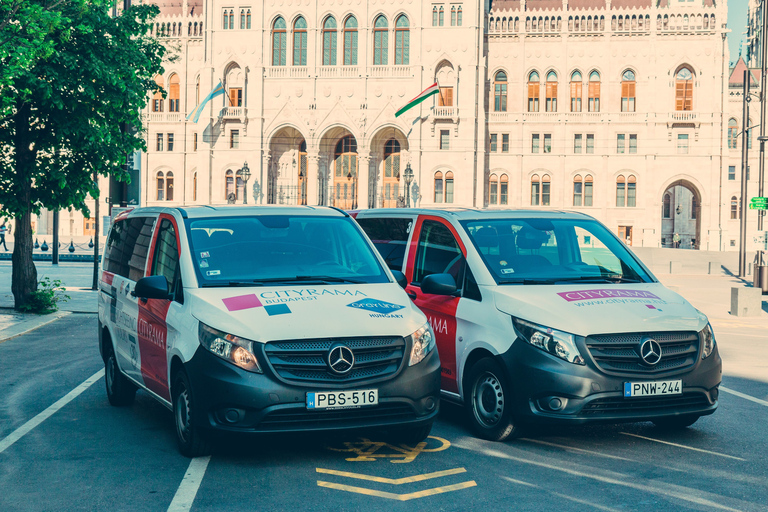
(549, 251)
(275, 249)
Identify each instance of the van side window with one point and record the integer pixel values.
(127, 247)
(165, 261)
(390, 237)
(438, 253)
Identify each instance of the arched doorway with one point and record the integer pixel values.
(389, 153)
(345, 174)
(681, 216)
(287, 171)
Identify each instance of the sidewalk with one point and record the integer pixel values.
(77, 278)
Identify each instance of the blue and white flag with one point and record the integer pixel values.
(217, 91)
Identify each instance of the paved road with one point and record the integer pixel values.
(86, 455)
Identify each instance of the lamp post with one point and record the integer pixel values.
(245, 174)
(408, 177)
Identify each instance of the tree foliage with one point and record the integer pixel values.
(79, 114)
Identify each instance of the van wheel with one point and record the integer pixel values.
(413, 435)
(488, 402)
(120, 390)
(192, 440)
(676, 422)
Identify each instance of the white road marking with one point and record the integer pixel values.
(61, 402)
(563, 496)
(187, 490)
(742, 395)
(574, 449)
(683, 446)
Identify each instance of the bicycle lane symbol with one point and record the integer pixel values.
(366, 450)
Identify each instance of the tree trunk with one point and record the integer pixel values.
(24, 273)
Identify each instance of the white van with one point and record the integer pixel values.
(547, 317)
(262, 319)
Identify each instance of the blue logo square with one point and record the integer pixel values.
(376, 306)
(627, 389)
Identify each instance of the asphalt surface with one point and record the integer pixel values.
(87, 455)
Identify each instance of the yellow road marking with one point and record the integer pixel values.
(368, 451)
(683, 446)
(398, 497)
(393, 481)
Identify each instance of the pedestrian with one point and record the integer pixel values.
(676, 240)
(3, 231)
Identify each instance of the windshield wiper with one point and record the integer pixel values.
(282, 280)
(328, 279)
(224, 284)
(581, 279)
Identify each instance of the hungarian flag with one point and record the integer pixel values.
(426, 93)
(217, 91)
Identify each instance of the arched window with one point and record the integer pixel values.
(666, 211)
(434, 16)
(458, 16)
(303, 172)
(329, 41)
(578, 190)
(621, 191)
(551, 94)
(248, 19)
(684, 89)
(169, 186)
(345, 173)
(733, 133)
(239, 185)
(391, 181)
(229, 185)
(402, 41)
(278, 42)
(449, 187)
(694, 208)
(197, 90)
(439, 187)
(157, 99)
(441, 17)
(194, 187)
(540, 190)
(735, 214)
(300, 42)
(588, 190)
(231, 19)
(534, 90)
(493, 189)
(500, 92)
(453, 15)
(242, 19)
(160, 186)
(576, 85)
(503, 189)
(173, 93)
(593, 101)
(380, 41)
(350, 41)
(628, 91)
(225, 20)
(626, 191)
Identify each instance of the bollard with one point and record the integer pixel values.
(746, 301)
(714, 267)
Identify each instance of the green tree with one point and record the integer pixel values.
(80, 114)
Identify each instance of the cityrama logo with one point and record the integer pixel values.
(376, 306)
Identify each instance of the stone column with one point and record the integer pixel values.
(313, 177)
(363, 172)
(265, 175)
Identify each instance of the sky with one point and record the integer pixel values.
(737, 22)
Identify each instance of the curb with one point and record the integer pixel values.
(30, 325)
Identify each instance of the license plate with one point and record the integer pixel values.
(659, 388)
(348, 399)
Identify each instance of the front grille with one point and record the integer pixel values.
(619, 353)
(297, 419)
(305, 361)
(644, 406)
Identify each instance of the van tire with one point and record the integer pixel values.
(192, 440)
(676, 422)
(412, 436)
(488, 401)
(120, 390)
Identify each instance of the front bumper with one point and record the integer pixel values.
(587, 395)
(235, 400)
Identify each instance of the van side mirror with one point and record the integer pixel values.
(152, 287)
(400, 278)
(439, 284)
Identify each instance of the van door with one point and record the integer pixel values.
(125, 258)
(438, 250)
(153, 313)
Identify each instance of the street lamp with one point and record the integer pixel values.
(408, 176)
(245, 174)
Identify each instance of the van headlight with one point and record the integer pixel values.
(707, 338)
(422, 343)
(229, 347)
(557, 343)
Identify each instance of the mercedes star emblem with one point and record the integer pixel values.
(650, 352)
(341, 359)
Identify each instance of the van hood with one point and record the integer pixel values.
(585, 309)
(306, 311)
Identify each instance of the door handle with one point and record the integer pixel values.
(412, 295)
